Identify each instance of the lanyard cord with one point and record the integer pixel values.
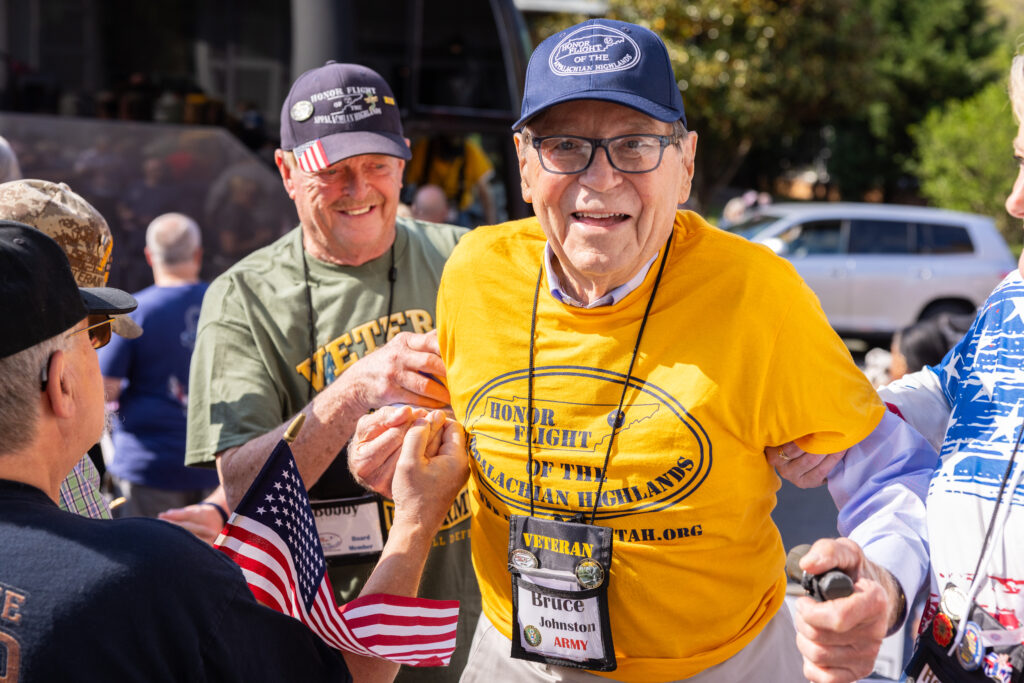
(622, 398)
(392, 276)
(986, 552)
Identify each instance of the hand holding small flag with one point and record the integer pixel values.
(272, 537)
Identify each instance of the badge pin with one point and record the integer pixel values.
(301, 110)
(942, 629)
(971, 651)
(524, 559)
(589, 573)
(953, 603)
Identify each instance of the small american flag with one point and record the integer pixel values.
(272, 537)
(312, 157)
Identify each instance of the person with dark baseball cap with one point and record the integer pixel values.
(174, 608)
(620, 366)
(334, 320)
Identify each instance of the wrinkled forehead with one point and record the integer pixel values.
(577, 116)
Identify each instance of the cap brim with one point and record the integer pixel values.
(344, 145)
(124, 326)
(107, 300)
(628, 99)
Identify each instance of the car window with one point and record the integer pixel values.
(749, 228)
(943, 239)
(813, 237)
(879, 237)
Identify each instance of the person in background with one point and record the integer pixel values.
(9, 168)
(176, 609)
(461, 168)
(148, 378)
(925, 342)
(430, 204)
(83, 234)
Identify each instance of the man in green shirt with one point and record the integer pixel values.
(335, 320)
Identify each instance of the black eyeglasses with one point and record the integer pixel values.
(570, 154)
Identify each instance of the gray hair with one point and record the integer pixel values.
(21, 376)
(173, 238)
(1017, 87)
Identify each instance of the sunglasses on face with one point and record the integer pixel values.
(99, 329)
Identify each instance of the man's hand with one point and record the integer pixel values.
(376, 444)
(432, 468)
(408, 369)
(201, 520)
(806, 470)
(840, 638)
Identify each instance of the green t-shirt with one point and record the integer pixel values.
(250, 372)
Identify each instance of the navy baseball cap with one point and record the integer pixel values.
(39, 297)
(338, 111)
(603, 59)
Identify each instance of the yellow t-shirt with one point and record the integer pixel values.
(737, 355)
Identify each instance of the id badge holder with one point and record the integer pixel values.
(560, 573)
(351, 530)
(930, 663)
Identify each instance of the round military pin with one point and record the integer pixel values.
(301, 110)
(953, 603)
(942, 629)
(532, 635)
(524, 559)
(589, 573)
(971, 650)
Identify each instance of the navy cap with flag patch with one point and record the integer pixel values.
(603, 59)
(338, 111)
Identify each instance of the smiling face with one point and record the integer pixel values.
(604, 225)
(348, 209)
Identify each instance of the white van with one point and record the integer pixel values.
(877, 268)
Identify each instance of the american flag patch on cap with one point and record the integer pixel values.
(312, 157)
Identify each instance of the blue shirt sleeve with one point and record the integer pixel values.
(880, 488)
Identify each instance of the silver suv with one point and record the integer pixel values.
(877, 268)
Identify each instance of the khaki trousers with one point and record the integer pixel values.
(771, 657)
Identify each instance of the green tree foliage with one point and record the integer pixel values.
(966, 156)
(757, 75)
(927, 52)
(755, 70)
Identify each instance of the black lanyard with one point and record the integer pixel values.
(619, 417)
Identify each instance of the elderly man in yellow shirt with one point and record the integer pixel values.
(620, 366)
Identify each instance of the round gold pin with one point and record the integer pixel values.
(524, 559)
(589, 573)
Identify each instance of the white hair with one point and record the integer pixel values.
(173, 238)
(1017, 87)
(21, 377)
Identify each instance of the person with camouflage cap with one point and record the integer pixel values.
(84, 236)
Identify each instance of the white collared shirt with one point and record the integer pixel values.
(613, 297)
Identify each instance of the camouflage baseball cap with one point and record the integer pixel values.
(74, 224)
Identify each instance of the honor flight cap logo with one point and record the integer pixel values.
(594, 49)
(604, 60)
